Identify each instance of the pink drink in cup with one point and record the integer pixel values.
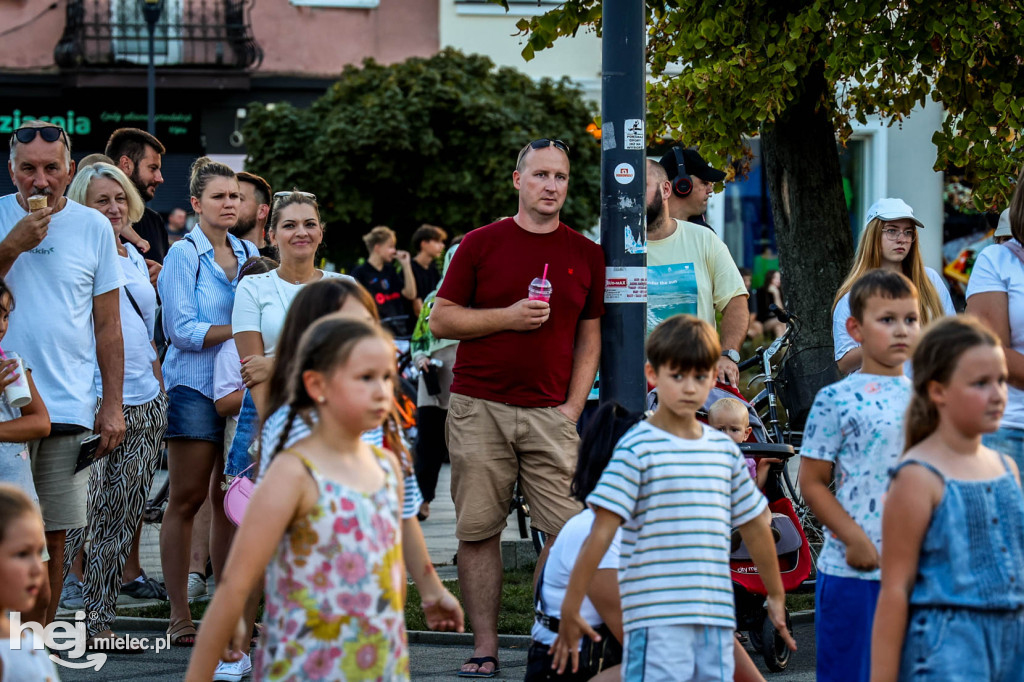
(540, 287)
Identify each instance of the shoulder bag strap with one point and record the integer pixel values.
(1015, 249)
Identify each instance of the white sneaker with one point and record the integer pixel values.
(233, 672)
(196, 586)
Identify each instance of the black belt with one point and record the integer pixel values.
(550, 622)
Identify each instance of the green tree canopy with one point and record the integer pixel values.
(797, 73)
(422, 141)
(723, 71)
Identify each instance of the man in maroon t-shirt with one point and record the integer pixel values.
(522, 375)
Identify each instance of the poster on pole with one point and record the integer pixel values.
(625, 284)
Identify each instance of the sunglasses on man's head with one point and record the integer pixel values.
(282, 195)
(48, 133)
(541, 144)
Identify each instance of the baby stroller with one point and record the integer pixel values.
(794, 556)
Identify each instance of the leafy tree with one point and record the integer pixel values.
(796, 73)
(422, 141)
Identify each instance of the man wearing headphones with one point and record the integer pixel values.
(690, 270)
(693, 182)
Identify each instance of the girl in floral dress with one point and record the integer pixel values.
(324, 523)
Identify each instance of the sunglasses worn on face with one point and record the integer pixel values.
(281, 195)
(48, 133)
(541, 144)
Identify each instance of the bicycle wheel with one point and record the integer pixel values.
(152, 522)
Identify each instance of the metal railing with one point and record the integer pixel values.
(190, 34)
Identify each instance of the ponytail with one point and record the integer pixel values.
(935, 359)
(921, 421)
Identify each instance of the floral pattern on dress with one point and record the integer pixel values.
(335, 590)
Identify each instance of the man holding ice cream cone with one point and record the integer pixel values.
(60, 262)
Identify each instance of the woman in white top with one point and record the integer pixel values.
(119, 483)
(889, 241)
(995, 293)
(261, 303)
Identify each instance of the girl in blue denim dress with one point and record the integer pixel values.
(951, 605)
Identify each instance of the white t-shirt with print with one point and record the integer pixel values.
(857, 424)
(140, 384)
(998, 269)
(54, 285)
(561, 560)
(261, 302)
(690, 272)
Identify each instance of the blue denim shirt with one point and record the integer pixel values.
(196, 295)
(973, 552)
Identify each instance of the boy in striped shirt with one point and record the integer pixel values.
(678, 487)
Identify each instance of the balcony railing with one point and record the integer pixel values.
(190, 34)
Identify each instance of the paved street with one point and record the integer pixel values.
(429, 662)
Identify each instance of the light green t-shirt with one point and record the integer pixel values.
(690, 272)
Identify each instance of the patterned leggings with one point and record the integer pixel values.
(118, 488)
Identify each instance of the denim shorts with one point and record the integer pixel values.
(193, 416)
(1009, 441)
(238, 459)
(962, 645)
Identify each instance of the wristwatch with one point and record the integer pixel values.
(732, 355)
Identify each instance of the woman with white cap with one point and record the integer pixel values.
(995, 293)
(889, 241)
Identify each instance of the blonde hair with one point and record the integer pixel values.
(378, 235)
(935, 359)
(79, 188)
(869, 257)
(730, 405)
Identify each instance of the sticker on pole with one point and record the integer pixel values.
(634, 134)
(624, 174)
(625, 285)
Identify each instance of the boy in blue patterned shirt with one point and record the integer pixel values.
(677, 487)
(856, 429)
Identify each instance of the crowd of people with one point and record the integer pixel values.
(273, 385)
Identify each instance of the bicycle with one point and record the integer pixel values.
(522, 508)
(767, 402)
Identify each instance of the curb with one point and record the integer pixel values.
(135, 624)
(802, 617)
(464, 639)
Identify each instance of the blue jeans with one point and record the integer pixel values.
(1009, 441)
(248, 422)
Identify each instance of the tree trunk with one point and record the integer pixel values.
(801, 162)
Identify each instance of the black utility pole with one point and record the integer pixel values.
(623, 210)
(151, 11)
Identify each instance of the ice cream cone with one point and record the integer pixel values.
(36, 202)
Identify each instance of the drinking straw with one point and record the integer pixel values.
(2, 354)
(545, 275)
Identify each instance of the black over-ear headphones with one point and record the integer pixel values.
(682, 185)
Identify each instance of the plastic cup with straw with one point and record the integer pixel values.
(540, 287)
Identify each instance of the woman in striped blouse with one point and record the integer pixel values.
(197, 288)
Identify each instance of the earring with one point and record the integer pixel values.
(321, 400)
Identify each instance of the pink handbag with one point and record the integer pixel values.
(236, 499)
